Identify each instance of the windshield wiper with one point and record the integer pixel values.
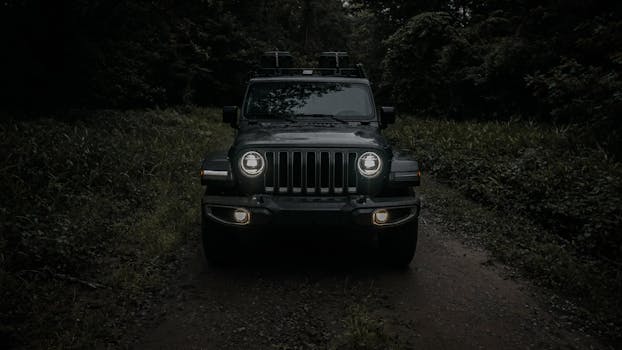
(326, 116)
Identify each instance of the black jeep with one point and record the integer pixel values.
(309, 151)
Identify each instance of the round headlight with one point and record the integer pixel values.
(369, 164)
(252, 164)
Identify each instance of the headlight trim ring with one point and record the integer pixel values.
(245, 170)
(366, 173)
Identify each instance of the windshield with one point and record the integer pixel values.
(311, 99)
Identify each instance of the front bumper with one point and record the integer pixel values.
(303, 210)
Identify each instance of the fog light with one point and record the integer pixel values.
(380, 217)
(241, 216)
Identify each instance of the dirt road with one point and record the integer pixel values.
(297, 294)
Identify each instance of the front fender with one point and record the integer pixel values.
(216, 170)
(405, 171)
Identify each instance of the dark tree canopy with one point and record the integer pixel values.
(132, 53)
(556, 61)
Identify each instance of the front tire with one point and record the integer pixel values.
(217, 242)
(398, 245)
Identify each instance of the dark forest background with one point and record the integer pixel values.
(554, 61)
(107, 107)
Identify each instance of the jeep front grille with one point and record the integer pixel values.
(310, 172)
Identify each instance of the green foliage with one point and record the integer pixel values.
(89, 206)
(417, 59)
(555, 62)
(139, 53)
(364, 47)
(539, 171)
(589, 287)
(543, 174)
(395, 13)
(436, 65)
(583, 95)
(365, 332)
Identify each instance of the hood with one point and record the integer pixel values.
(311, 137)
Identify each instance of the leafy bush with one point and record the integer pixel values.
(554, 62)
(414, 62)
(540, 171)
(136, 53)
(88, 204)
(583, 95)
(545, 175)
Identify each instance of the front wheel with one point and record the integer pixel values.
(217, 242)
(398, 245)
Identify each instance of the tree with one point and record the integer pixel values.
(395, 13)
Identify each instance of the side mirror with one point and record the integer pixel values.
(387, 116)
(230, 115)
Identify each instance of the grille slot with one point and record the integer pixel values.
(283, 168)
(269, 176)
(310, 172)
(310, 165)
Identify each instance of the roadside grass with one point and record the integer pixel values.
(558, 205)
(94, 210)
(363, 331)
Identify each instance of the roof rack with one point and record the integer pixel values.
(277, 59)
(332, 64)
(333, 59)
(353, 72)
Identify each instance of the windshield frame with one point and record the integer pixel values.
(372, 117)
